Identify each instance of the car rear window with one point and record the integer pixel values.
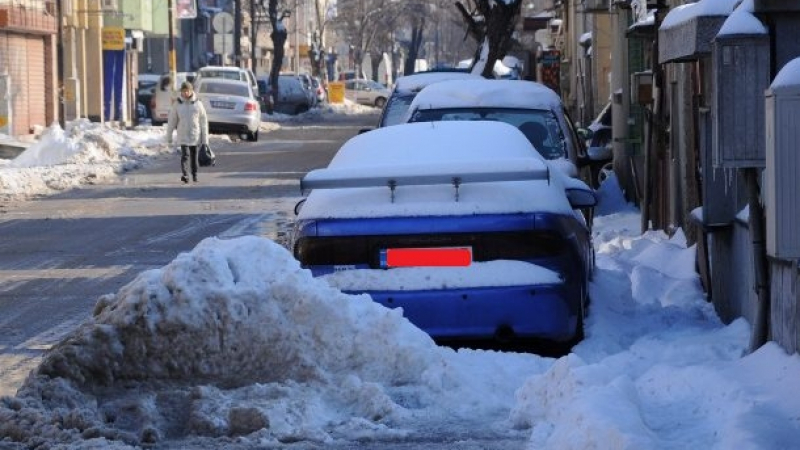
(224, 89)
(549, 143)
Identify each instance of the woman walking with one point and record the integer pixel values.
(188, 116)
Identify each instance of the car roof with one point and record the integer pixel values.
(485, 93)
(417, 81)
(222, 81)
(452, 148)
(222, 68)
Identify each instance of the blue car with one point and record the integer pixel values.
(463, 225)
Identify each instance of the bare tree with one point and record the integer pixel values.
(278, 37)
(491, 23)
(359, 20)
(416, 13)
(322, 15)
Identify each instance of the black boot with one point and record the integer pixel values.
(185, 179)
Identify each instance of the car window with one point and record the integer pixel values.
(539, 126)
(225, 74)
(396, 108)
(224, 89)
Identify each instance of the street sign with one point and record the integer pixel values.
(223, 43)
(186, 9)
(222, 22)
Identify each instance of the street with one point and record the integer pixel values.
(60, 253)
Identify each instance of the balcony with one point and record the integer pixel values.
(32, 18)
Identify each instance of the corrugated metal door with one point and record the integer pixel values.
(24, 58)
(37, 103)
(16, 49)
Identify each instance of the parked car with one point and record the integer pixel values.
(231, 105)
(164, 95)
(229, 73)
(147, 85)
(319, 89)
(308, 86)
(532, 107)
(599, 147)
(407, 87)
(473, 240)
(366, 92)
(292, 96)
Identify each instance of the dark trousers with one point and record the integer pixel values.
(189, 151)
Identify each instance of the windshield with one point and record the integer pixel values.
(538, 125)
(395, 109)
(226, 74)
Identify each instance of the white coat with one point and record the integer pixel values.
(188, 116)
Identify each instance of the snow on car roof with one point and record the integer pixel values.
(454, 147)
(417, 81)
(486, 93)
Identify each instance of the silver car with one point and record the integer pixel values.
(366, 92)
(231, 105)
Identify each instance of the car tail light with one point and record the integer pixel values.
(251, 106)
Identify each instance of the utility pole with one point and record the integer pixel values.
(253, 35)
(173, 70)
(60, 62)
(237, 32)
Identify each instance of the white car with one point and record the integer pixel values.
(407, 87)
(229, 73)
(231, 106)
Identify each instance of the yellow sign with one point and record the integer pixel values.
(336, 92)
(113, 38)
(3, 121)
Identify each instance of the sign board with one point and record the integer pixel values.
(186, 9)
(336, 92)
(113, 38)
(223, 43)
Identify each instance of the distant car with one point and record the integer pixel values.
(599, 146)
(532, 107)
(147, 84)
(366, 92)
(231, 106)
(319, 89)
(164, 95)
(473, 240)
(292, 96)
(229, 73)
(407, 87)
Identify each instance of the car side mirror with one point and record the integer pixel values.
(581, 198)
(585, 133)
(364, 130)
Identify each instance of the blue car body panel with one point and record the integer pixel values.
(548, 311)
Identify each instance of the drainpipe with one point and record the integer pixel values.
(758, 237)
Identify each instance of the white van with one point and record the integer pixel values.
(229, 73)
(161, 101)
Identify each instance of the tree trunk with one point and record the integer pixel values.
(493, 33)
(413, 48)
(375, 59)
(278, 37)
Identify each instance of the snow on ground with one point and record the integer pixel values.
(233, 343)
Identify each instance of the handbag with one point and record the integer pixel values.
(205, 156)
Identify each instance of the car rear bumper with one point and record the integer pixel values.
(241, 124)
(541, 311)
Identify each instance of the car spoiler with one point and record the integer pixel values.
(421, 175)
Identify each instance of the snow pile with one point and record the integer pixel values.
(84, 153)
(658, 370)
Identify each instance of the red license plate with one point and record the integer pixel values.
(426, 257)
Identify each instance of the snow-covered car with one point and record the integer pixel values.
(407, 87)
(473, 240)
(532, 107)
(231, 106)
(599, 146)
